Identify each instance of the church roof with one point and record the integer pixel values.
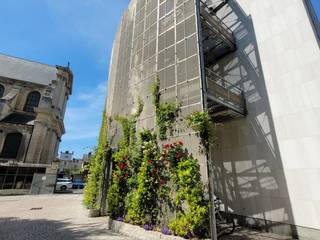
(24, 70)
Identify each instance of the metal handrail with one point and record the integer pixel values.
(216, 17)
(212, 76)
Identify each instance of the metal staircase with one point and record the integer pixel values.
(225, 100)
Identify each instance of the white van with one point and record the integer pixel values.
(63, 184)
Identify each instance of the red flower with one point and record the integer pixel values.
(178, 156)
(166, 146)
(126, 175)
(180, 143)
(150, 161)
(122, 166)
(161, 181)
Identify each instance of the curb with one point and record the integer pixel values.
(138, 232)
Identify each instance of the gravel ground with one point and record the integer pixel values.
(50, 217)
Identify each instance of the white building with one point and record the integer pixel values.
(255, 66)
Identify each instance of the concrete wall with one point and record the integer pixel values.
(267, 164)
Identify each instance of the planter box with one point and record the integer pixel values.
(93, 213)
(138, 232)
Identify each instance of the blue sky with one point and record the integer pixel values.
(60, 31)
(316, 4)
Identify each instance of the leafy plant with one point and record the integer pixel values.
(202, 123)
(166, 113)
(143, 208)
(127, 160)
(188, 197)
(95, 177)
(190, 192)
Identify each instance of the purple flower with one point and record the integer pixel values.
(120, 219)
(188, 235)
(147, 227)
(165, 230)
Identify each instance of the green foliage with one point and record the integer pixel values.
(166, 113)
(127, 162)
(190, 192)
(183, 173)
(119, 187)
(95, 177)
(202, 123)
(143, 208)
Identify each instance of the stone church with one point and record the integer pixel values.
(33, 98)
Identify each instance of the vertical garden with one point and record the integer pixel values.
(154, 185)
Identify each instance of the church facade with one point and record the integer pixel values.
(33, 98)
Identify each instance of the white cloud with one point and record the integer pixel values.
(81, 120)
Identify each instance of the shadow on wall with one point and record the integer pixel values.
(21, 229)
(246, 163)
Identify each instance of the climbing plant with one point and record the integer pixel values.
(143, 208)
(95, 177)
(188, 197)
(202, 123)
(166, 113)
(126, 160)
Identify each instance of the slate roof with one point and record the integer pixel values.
(24, 70)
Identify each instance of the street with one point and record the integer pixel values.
(50, 217)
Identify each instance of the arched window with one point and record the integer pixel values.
(11, 145)
(33, 100)
(1, 91)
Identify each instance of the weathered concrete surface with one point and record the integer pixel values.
(59, 216)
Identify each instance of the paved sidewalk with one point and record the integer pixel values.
(50, 217)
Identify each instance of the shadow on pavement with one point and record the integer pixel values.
(25, 229)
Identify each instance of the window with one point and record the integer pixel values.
(1, 91)
(11, 145)
(314, 12)
(33, 100)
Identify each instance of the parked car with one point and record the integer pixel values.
(63, 184)
(78, 184)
